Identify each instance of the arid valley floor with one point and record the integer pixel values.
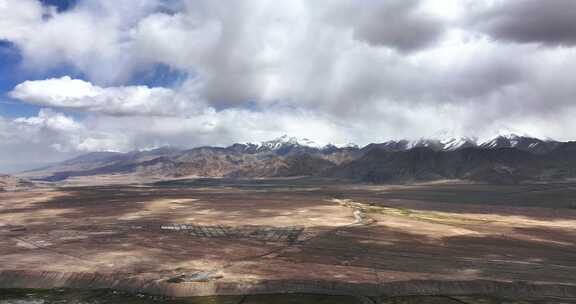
(218, 236)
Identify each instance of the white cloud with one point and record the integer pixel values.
(47, 120)
(18, 19)
(331, 70)
(51, 136)
(29, 142)
(80, 95)
(59, 133)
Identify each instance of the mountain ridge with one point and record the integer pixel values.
(510, 158)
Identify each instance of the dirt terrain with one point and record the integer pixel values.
(11, 183)
(59, 296)
(290, 230)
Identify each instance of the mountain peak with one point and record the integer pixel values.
(455, 143)
(285, 140)
(520, 141)
(441, 143)
(507, 133)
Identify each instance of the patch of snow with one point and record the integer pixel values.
(285, 140)
(341, 146)
(453, 144)
(490, 144)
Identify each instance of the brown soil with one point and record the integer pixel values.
(115, 230)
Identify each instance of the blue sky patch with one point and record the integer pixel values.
(61, 5)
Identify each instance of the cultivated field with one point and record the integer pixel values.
(214, 231)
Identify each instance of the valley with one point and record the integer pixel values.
(214, 236)
(287, 152)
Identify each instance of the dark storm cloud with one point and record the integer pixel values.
(398, 24)
(549, 22)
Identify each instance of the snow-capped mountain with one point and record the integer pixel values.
(288, 145)
(443, 144)
(450, 144)
(520, 142)
(287, 141)
(290, 156)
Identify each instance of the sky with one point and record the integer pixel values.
(79, 76)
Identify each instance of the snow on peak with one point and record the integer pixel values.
(457, 142)
(442, 141)
(343, 146)
(507, 133)
(505, 138)
(286, 140)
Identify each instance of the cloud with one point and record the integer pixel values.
(93, 37)
(52, 136)
(333, 70)
(397, 24)
(75, 94)
(19, 18)
(35, 141)
(58, 132)
(548, 22)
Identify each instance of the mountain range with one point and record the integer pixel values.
(504, 159)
